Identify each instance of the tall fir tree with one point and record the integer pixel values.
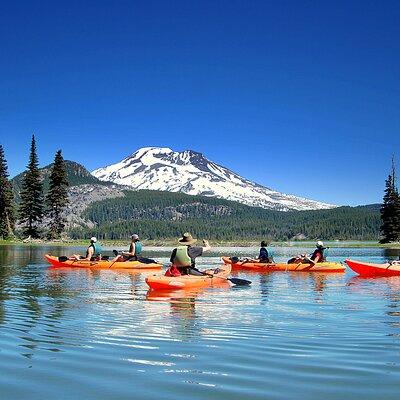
(32, 201)
(7, 205)
(390, 210)
(57, 196)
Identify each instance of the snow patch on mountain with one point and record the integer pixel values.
(159, 168)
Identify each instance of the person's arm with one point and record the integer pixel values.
(206, 246)
(172, 256)
(317, 258)
(90, 253)
(131, 251)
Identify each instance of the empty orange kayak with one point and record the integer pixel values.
(54, 261)
(162, 282)
(299, 267)
(371, 269)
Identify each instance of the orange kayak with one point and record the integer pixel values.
(254, 265)
(371, 269)
(54, 261)
(162, 282)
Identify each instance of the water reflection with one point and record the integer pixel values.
(101, 334)
(392, 254)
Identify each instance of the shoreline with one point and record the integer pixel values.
(173, 242)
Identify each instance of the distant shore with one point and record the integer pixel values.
(214, 243)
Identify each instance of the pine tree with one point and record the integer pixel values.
(57, 196)
(7, 205)
(390, 210)
(32, 204)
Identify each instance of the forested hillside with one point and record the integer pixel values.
(160, 215)
(77, 174)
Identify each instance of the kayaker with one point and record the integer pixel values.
(318, 254)
(264, 255)
(135, 249)
(183, 258)
(93, 252)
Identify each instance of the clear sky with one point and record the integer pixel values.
(300, 96)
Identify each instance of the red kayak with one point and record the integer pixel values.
(370, 269)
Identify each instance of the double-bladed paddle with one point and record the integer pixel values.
(235, 281)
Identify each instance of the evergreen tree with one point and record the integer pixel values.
(390, 210)
(57, 196)
(32, 204)
(7, 206)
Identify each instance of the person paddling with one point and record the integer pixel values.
(317, 256)
(183, 258)
(93, 252)
(135, 249)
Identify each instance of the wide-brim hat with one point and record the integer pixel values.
(187, 238)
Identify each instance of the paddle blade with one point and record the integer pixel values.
(62, 258)
(239, 282)
(115, 252)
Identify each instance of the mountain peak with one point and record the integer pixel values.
(190, 172)
(152, 150)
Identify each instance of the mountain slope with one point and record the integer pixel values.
(190, 172)
(163, 215)
(84, 189)
(77, 175)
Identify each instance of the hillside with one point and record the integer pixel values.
(156, 215)
(77, 175)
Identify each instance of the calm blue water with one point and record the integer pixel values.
(101, 335)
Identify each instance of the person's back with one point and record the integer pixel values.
(93, 252)
(319, 254)
(183, 257)
(264, 255)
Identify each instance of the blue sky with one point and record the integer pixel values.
(301, 96)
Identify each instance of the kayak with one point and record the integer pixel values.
(297, 267)
(180, 296)
(371, 269)
(54, 261)
(162, 282)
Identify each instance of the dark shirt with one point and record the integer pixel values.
(193, 253)
(263, 256)
(317, 253)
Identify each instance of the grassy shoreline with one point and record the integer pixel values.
(173, 242)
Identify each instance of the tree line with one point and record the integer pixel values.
(37, 215)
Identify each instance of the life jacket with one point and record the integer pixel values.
(182, 258)
(97, 249)
(316, 252)
(172, 271)
(138, 248)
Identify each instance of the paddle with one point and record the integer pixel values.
(235, 281)
(65, 258)
(115, 253)
(235, 260)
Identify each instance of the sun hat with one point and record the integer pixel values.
(321, 244)
(187, 238)
(135, 236)
(93, 239)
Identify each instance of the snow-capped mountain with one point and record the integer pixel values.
(190, 172)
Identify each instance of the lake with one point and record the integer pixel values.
(99, 334)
